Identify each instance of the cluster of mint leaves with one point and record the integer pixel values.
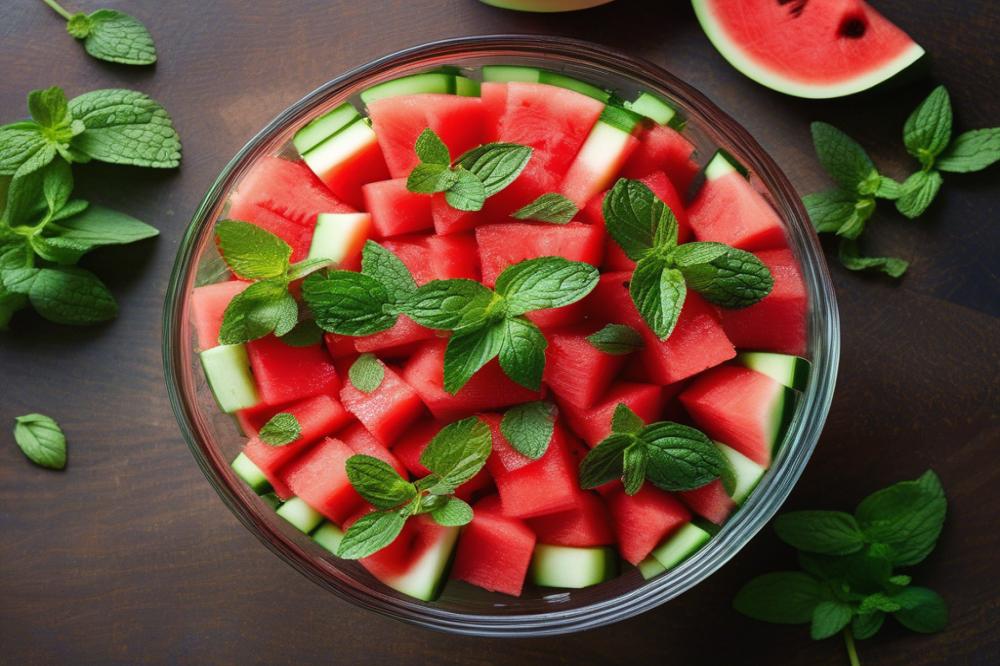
(848, 583)
(669, 455)
(44, 231)
(646, 229)
(927, 135)
(456, 454)
(467, 182)
(111, 35)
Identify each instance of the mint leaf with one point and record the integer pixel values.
(545, 282)
(888, 188)
(785, 597)
(635, 461)
(378, 483)
(431, 149)
(114, 36)
(467, 192)
(304, 334)
(431, 178)
(25, 205)
(732, 279)
(262, 308)
(922, 610)
(855, 225)
(251, 252)
(625, 421)
(495, 165)
(125, 127)
(467, 351)
(370, 533)
(680, 457)
(850, 256)
(381, 264)
(306, 267)
(970, 151)
(907, 517)
(453, 513)
(824, 532)
(829, 618)
(918, 192)
(522, 352)
(348, 303)
(281, 429)
(366, 373)
(830, 210)
(41, 440)
(72, 296)
(867, 625)
(22, 142)
(457, 453)
(450, 304)
(658, 293)
(616, 339)
(604, 462)
(637, 219)
(927, 131)
(551, 207)
(49, 108)
(529, 428)
(845, 160)
(58, 250)
(57, 185)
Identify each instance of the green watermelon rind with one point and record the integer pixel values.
(767, 77)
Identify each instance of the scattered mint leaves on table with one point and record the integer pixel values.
(847, 584)
(646, 229)
(41, 440)
(455, 455)
(671, 456)
(281, 429)
(551, 207)
(111, 35)
(529, 427)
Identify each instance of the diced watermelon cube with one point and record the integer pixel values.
(494, 552)
(504, 458)
(711, 501)
(388, 410)
(297, 236)
(339, 346)
(319, 477)
(488, 389)
(286, 188)
(742, 408)
(411, 445)
(285, 373)
(448, 220)
(502, 245)
(208, 304)
(728, 209)
(528, 487)
(404, 332)
(347, 160)
(594, 424)
(551, 318)
(361, 441)
(394, 209)
(317, 416)
(641, 521)
(778, 322)
(587, 524)
(252, 419)
(437, 257)
(577, 371)
(663, 148)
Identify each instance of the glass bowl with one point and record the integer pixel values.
(215, 440)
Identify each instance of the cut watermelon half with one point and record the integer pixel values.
(208, 304)
(641, 521)
(502, 245)
(808, 49)
(388, 410)
(494, 553)
(285, 373)
(319, 478)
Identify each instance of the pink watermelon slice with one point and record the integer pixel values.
(362, 442)
(289, 189)
(285, 373)
(587, 524)
(319, 477)
(494, 553)
(594, 424)
(347, 160)
(388, 410)
(641, 521)
(437, 257)
(208, 304)
(808, 49)
(662, 148)
(711, 501)
(339, 346)
(394, 209)
(502, 245)
(577, 371)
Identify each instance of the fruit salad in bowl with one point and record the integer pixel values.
(502, 339)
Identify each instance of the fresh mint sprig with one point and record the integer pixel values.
(490, 323)
(472, 178)
(41, 440)
(551, 207)
(671, 456)
(110, 35)
(646, 229)
(847, 584)
(453, 456)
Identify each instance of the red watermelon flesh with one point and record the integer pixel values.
(349, 173)
(641, 521)
(488, 389)
(494, 96)
(394, 209)
(587, 524)
(711, 501)
(318, 416)
(319, 477)
(739, 407)
(594, 424)
(568, 315)
(503, 245)
(284, 373)
(448, 220)
(388, 410)
(362, 442)
(437, 257)
(729, 210)
(339, 346)
(252, 419)
(543, 486)
(208, 304)
(289, 189)
(398, 121)
(411, 445)
(778, 322)
(663, 148)
(503, 457)
(389, 342)
(297, 236)
(696, 343)
(494, 552)
(576, 370)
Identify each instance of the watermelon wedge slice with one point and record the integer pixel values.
(808, 49)
(502, 245)
(319, 478)
(208, 304)
(642, 520)
(494, 552)
(285, 373)
(388, 410)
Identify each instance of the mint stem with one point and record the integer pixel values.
(58, 9)
(852, 653)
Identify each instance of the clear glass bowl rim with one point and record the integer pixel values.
(804, 431)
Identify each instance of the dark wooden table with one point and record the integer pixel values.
(129, 556)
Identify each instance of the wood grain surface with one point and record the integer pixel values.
(129, 556)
